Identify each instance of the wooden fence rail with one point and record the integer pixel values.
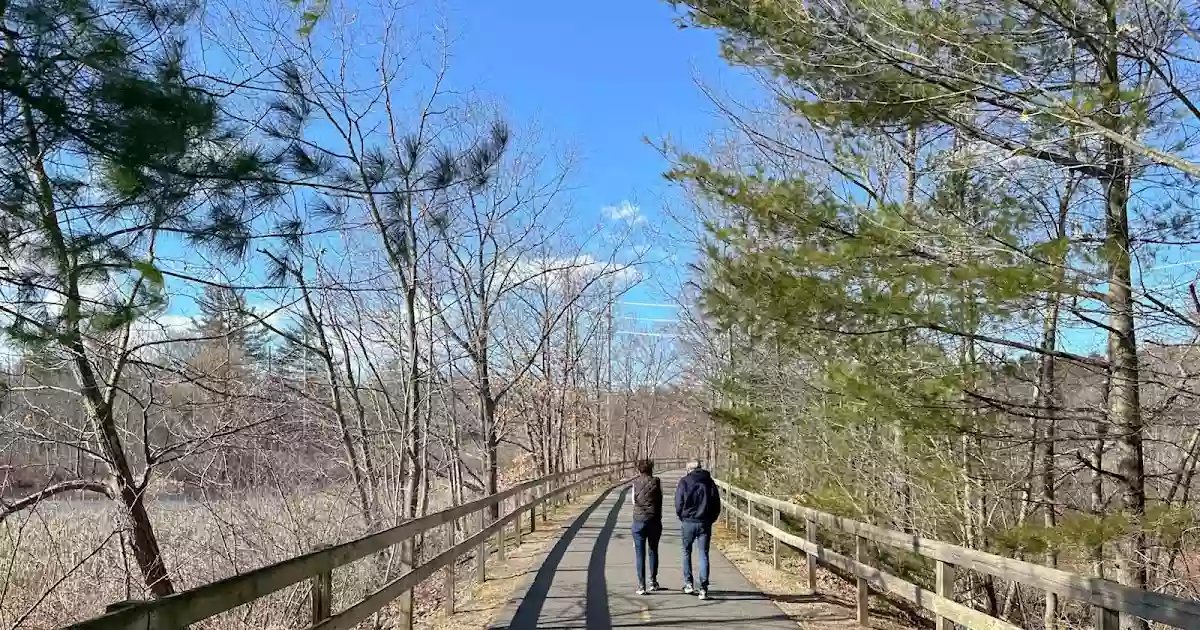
(181, 609)
(1107, 598)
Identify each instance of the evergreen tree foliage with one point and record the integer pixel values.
(299, 354)
(900, 297)
(225, 318)
(109, 152)
(108, 147)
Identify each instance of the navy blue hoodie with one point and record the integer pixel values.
(697, 499)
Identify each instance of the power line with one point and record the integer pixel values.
(649, 319)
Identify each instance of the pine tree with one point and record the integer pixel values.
(109, 150)
(297, 355)
(226, 319)
(1085, 92)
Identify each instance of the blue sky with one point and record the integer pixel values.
(601, 76)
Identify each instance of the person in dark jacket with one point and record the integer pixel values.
(647, 524)
(697, 504)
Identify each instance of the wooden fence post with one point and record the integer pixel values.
(945, 587)
(500, 536)
(737, 520)
(517, 521)
(774, 540)
(749, 525)
(322, 594)
(481, 553)
(864, 591)
(1105, 618)
(536, 492)
(810, 532)
(448, 583)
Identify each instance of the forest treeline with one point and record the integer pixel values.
(949, 266)
(267, 282)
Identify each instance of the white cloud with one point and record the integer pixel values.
(571, 271)
(624, 211)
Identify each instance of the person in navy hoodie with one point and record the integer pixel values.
(697, 504)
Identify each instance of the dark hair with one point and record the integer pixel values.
(645, 466)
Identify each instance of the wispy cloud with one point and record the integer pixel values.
(625, 211)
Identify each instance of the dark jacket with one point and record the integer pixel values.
(697, 499)
(647, 499)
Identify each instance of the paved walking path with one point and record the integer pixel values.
(587, 581)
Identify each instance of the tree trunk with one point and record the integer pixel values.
(1124, 400)
(99, 408)
(1097, 492)
(132, 508)
(1047, 407)
(491, 450)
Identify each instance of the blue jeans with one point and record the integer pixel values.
(700, 533)
(646, 533)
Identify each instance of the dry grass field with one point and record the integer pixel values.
(63, 562)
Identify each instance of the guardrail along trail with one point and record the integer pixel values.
(587, 579)
(317, 568)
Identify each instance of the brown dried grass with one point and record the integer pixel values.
(63, 562)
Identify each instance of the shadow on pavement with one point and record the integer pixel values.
(598, 616)
(778, 597)
(530, 609)
(691, 622)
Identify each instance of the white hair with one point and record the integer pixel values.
(693, 465)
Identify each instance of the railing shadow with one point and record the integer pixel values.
(597, 615)
(806, 598)
(529, 611)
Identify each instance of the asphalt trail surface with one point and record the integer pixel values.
(587, 580)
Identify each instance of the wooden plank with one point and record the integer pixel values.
(187, 607)
(864, 591)
(885, 582)
(749, 527)
(449, 591)
(500, 554)
(944, 576)
(359, 612)
(481, 552)
(321, 595)
(517, 526)
(774, 540)
(1172, 611)
(810, 530)
(1106, 619)
(533, 511)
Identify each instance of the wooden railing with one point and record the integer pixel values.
(179, 610)
(1107, 598)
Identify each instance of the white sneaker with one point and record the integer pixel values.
(654, 587)
(703, 594)
(641, 591)
(688, 590)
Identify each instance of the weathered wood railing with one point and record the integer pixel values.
(178, 611)
(1108, 599)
